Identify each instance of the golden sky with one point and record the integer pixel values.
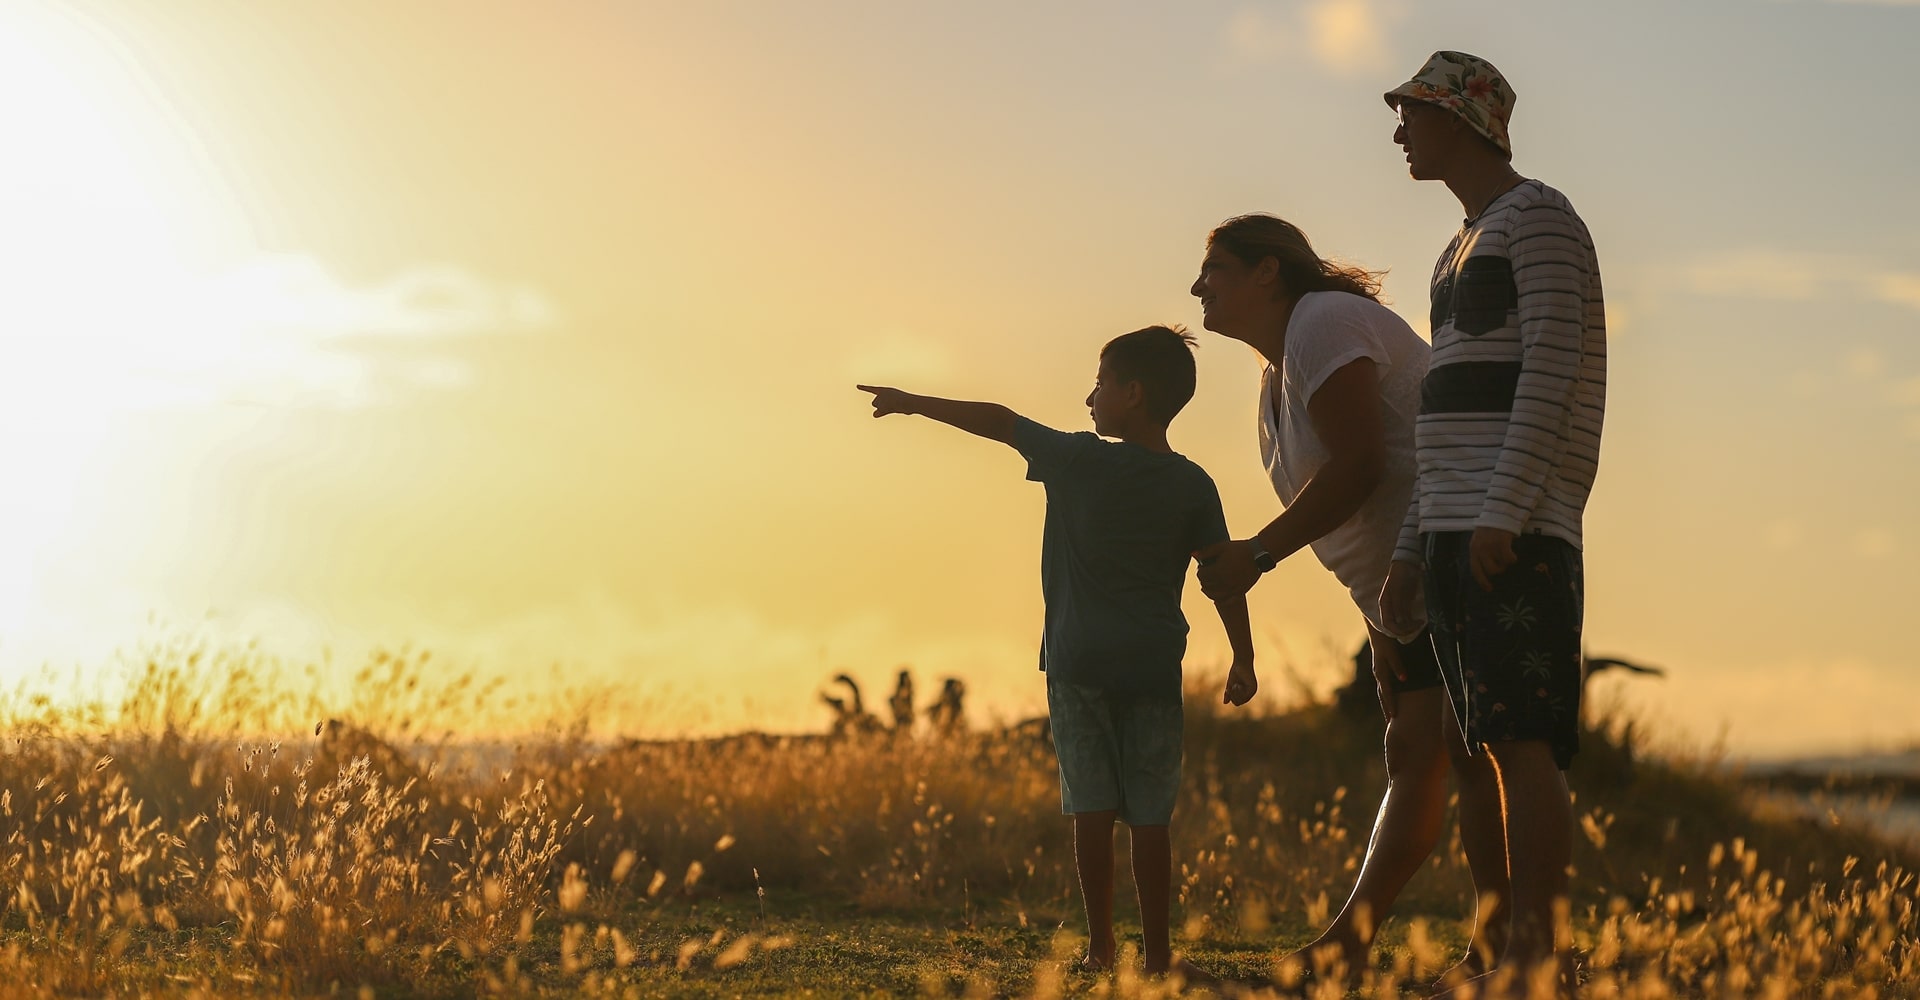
(527, 334)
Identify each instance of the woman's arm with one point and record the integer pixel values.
(1346, 416)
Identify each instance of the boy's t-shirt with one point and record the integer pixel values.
(1122, 525)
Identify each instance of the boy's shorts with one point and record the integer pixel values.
(1510, 658)
(1116, 752)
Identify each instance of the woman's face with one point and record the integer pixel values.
(1229, 296)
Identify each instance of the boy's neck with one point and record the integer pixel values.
(1148, 435)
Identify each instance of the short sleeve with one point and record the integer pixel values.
(1049, 453)
(1337, 333)
(1210, 518)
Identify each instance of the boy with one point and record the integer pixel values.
(1123, 520)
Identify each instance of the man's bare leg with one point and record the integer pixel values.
(1539, 825)
(1405, 830)
(1093, 857)
(1539, 847)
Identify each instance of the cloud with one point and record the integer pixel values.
(1781, 276)
(1257, 35)
(1863, 374)
(288, 294)
(1865, 362)
(1761, 274)
(1873, 543)
(1346, 36)
(279, 330)
(1899, 289)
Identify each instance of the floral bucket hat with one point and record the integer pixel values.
(1466, 85)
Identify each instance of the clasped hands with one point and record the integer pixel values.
(1227, 570)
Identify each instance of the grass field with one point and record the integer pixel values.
(199, 836)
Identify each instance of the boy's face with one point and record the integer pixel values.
(1111, 400)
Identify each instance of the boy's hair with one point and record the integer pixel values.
(1160, 358)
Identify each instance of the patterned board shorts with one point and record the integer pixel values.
(1511, 658)
(1116, 752)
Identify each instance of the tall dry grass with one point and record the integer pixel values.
(220, 828)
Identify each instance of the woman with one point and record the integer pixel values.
(1338, 400)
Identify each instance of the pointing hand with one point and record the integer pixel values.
(888, 400)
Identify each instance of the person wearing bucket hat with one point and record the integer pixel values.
(1469, 87)
(1507, 445)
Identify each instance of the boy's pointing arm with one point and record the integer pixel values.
(988, 420)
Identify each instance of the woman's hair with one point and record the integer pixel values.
(1254, 238)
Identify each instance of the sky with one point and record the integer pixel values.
(527, 334)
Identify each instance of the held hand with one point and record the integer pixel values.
(1226, 570)
(1399, 597)
(887, 400)
(1491, 552)
(1387, 670)
(1241, 684)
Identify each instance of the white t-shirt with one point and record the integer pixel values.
(1328, 331)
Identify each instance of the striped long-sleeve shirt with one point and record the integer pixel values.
(1508, 435)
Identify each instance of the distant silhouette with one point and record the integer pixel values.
(850, 719)
(342, 743)
(1595, 664)
(902, 704)
(948, 712)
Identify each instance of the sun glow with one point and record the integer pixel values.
(108, 219)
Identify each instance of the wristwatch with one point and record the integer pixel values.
(1262, 559)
